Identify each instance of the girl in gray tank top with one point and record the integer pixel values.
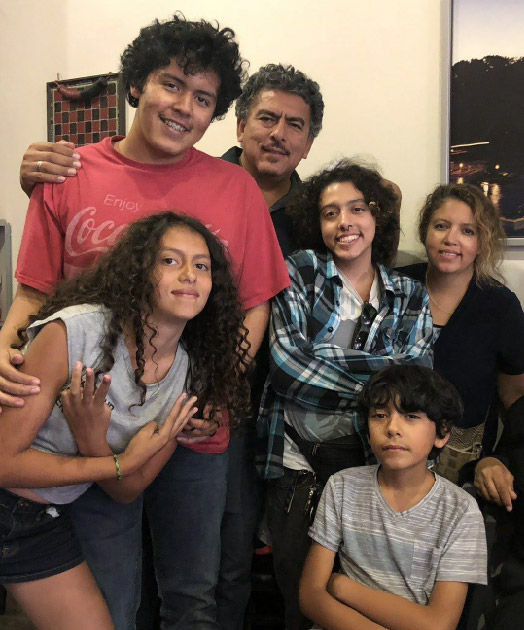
(128, 352)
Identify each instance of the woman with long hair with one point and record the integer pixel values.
(480, 343)
(158, 324)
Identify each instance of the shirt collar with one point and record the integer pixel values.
(385, 278)
(233, 155)
(295, 187)
(331, 268)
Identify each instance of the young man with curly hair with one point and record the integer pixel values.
(345, 316)
(179, 76)
(279, 113)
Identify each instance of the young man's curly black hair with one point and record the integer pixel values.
(305, 208)
(195, 46)
(412, 388)
(123, 280)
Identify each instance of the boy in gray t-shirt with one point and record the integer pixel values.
(409, 541)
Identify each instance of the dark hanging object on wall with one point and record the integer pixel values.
(84, 94)
(86, 109)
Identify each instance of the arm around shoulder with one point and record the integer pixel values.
(15, 382)
(48, 162)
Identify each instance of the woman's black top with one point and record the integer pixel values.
(483, 337)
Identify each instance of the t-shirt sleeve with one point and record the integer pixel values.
(41, 254)
(464, 556)
(327, 527)
(263, 273)
(511, 347)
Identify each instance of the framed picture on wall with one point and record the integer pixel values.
(86, 109)
(485, 118)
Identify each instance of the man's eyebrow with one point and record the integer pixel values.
(173, 77)
(269, 112)
(296, 119)
(176, 79)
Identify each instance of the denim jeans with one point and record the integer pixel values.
(184, 506)
(291, 543)
(239, 523)
(110, 537)
(36, 540)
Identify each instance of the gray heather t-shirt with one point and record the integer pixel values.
(442, 538)
(85, 326)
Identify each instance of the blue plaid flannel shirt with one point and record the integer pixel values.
(307, 369)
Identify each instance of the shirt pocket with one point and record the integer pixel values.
(424, 568)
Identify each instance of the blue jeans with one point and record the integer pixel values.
(241, 517)
(184, 506)
(110, 535)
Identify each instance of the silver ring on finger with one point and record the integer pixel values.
(39, 166)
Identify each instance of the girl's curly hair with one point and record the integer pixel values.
(196, 47)
(305, 208)
(123, 281)
(491, 237)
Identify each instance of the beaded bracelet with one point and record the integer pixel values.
(117, 466)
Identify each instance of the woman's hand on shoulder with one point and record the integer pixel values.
(153, 437)
(494, 482)
(86, 411)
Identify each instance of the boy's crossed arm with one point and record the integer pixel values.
(397, 613)
(318, 604)
(337, 602)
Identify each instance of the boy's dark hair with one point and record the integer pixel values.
(195, 46)
(305, 208)
(285, 79)
(412, 388)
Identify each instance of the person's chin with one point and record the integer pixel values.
(273, 169)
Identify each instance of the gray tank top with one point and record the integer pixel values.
(86, 324)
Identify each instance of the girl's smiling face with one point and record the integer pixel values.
(347, 225)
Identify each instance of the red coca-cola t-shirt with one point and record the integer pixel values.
(68, 226)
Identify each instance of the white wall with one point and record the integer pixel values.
(378, 63)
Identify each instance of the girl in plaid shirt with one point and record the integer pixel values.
(344, 317)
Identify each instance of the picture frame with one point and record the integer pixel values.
(483, 104)
(86, 109)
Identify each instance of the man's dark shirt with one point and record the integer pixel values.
(281, 222)
(284, 231)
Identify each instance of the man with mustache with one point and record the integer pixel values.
(279, 114)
